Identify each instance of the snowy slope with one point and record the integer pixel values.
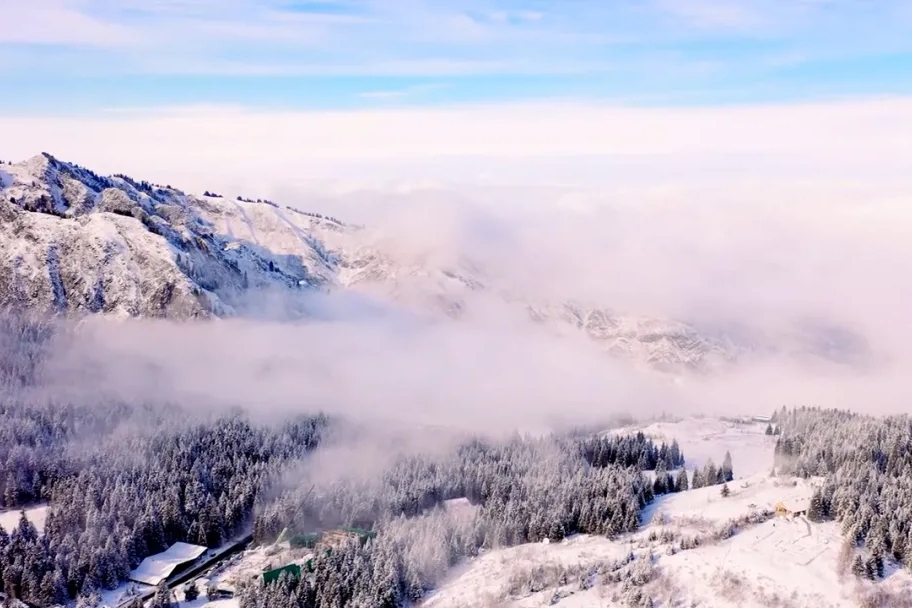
(74, 242)
(769, 561)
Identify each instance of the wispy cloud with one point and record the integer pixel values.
(653, 42)
(60, 23)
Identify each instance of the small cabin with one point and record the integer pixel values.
(791, 508)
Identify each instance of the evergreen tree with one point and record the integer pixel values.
(677, 456)
(900, 548)
(670, 483)
(659, 484)
(874, 566)
(191, 592)
(725, 491)
(681, 483)
(710, 474)
(162, 597)
(816, 511)
(697, 480)
(726, 473)
(858, 567)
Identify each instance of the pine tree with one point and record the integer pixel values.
(725, 491)
(727, 474)
(899, 548)
(858, 567)
(697, 481)
(815, 509)
(191, 592)
(677, 457)
(874, 566)
(769, 428)
(710, 474)
(681, 483)
(53, 589)
(658, 486)
(162, 597)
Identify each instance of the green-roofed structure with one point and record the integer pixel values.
(271, 576)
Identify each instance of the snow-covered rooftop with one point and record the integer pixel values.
(157, 568)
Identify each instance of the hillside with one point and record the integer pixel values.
(693, 548)
(74, 242)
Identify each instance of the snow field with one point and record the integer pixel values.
(9, 520)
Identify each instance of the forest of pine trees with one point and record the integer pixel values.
(126, 482)
(867, 466)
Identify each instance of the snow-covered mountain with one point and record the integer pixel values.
(74, 242)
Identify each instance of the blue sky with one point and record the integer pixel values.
(73, 56)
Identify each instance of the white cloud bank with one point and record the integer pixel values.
(525, 143)
(748, 215)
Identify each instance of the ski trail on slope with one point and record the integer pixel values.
(246, 220)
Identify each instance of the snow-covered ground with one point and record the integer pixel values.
(770, 561)
(9, 520)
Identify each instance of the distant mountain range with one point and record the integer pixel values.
(74, 242)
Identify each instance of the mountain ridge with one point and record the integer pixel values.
(74, 242)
